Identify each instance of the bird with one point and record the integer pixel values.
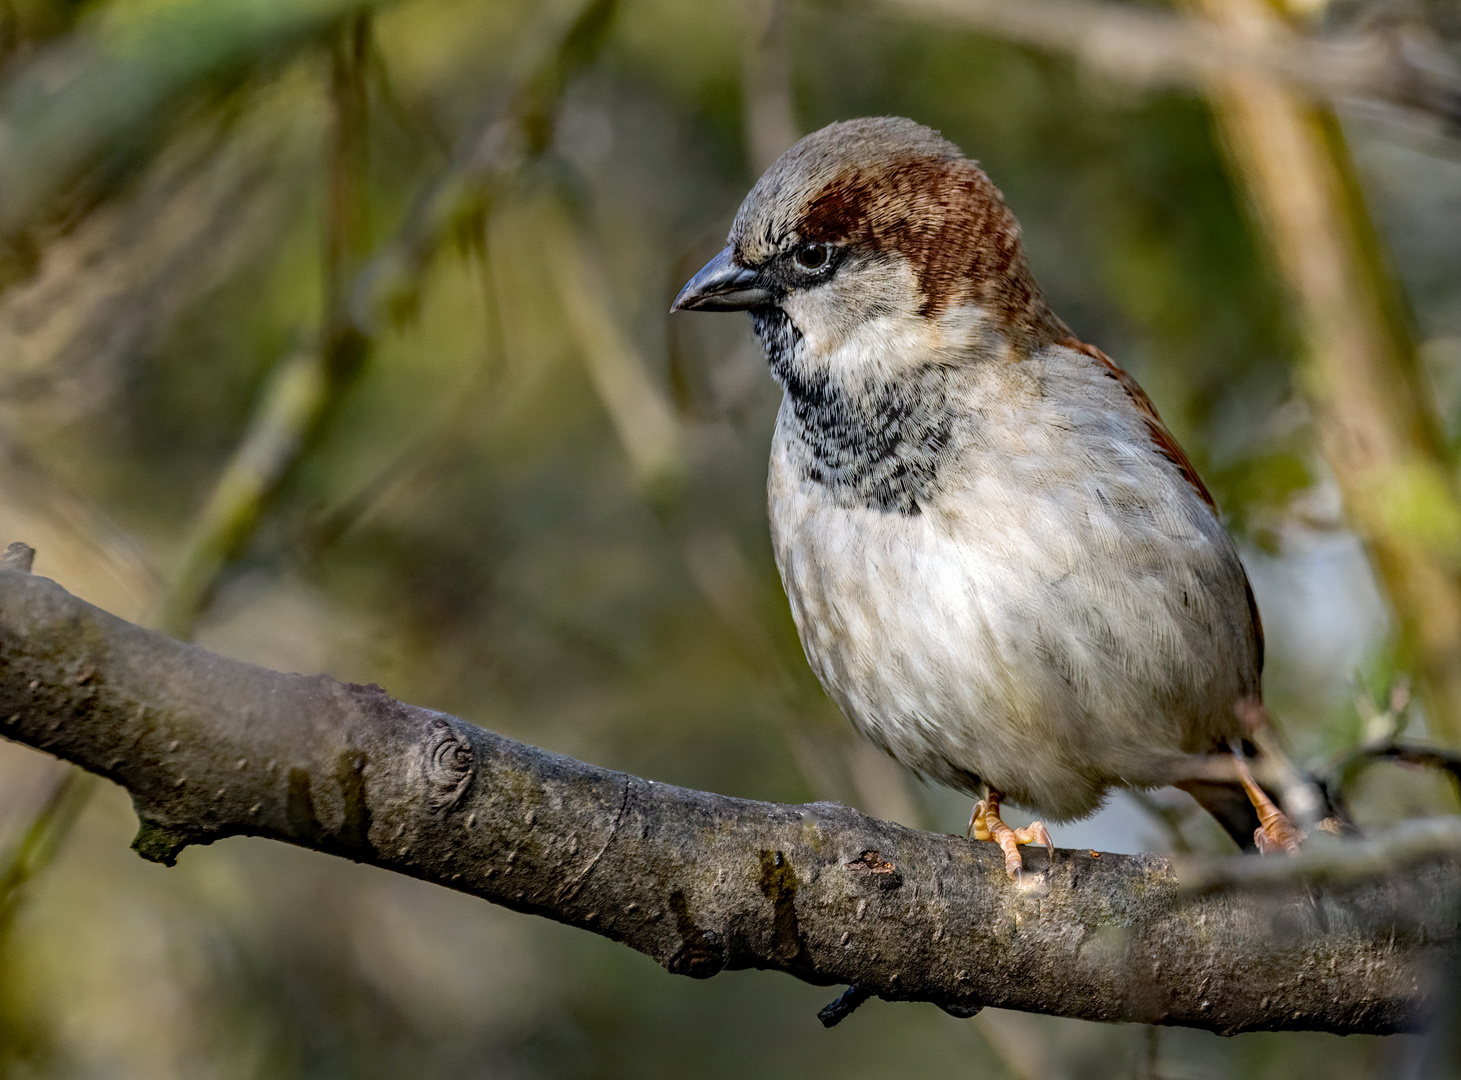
(1001, 565)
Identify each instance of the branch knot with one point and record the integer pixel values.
(449, 766)
(871, 865)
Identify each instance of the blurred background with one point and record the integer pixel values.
(333, 335)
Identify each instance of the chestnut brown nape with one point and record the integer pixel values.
(895, 186)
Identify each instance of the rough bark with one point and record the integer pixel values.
(210, 747)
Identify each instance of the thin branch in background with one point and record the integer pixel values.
(291, 405)
(457, 202)
(1146, 47)
(296, 402)
(416, 120)
(656, 442)
(767, 109)
(40, 506)
(1379, 856)
(1375, 411)
(347, 235)
(1382, 742)
(1148, 1053)
(33, 847)
(1021, 1041)
(642, 414)
(768, 127)
(1428, 757)
(425, 461)
(307, 387)
(883, 786)
(113, 84)
(307, 384)
(1389, 724)
(456, 205)
(11, 31)
(178, 228)
(26, 24)
(1169, 818)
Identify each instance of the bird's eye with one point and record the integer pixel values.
(812, 256)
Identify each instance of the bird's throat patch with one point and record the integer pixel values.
(877, 445)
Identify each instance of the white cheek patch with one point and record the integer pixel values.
(866, 326)
(858, 297)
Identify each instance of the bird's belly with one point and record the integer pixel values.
(977, 651)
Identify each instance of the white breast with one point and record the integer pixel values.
(1064, 615)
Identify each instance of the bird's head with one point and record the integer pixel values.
(878, 240)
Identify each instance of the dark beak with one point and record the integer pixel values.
(723, 285)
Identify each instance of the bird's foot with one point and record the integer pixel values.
(985, 824)
(1275, 832)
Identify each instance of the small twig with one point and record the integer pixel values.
(1345, 861)
(42, 839)
(18, 556)
(839, 1010)
(1170, 818)
(1344, 771)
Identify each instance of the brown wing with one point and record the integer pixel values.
(1170, 449)
(1167, 446)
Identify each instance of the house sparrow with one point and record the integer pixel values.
(1002, 566)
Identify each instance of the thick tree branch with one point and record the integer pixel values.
(210, 747)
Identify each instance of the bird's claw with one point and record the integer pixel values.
(1275, 832)
(985, 824)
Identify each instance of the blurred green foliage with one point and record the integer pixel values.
(469, 526)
